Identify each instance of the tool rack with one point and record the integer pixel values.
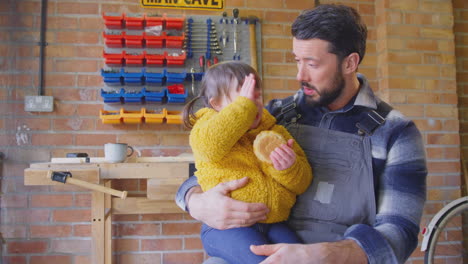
(154, 63)
(163, 174)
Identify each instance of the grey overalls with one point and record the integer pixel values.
(342, 190)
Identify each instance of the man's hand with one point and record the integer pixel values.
(217, 209)
(283, 157)
(345, 251)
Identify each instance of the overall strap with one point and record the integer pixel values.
(286, 112)
(374, 119)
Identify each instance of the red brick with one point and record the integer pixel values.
(126, 245)
(77, 8)
(94, 139)
(51, 139)
(82, 200)
(77, 37)
(182, 258)
(13, 259)
(280, 17)
(138, 229)
(71, 246)
(50, 231)
(25, 247)
(82, 230)
(71, 216)
(51, 259)
(82, 259)
(73, 65)
(142, 259)
(87, 81)
(172, 229)
(91, 23)
(443, 167)
(13, 231)
(60, 200)
(175, 140)
(26, 216)
(162, 217)
(443, 139)
(161, 244)
(193, 243)
(142, 139)
(14, 201)
(74, 123)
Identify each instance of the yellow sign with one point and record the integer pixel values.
(185, 4)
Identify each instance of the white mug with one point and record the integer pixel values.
(116, 152)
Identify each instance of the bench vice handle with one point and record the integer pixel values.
(66, 177)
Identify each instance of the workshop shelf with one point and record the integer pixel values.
(134, 60)
(155, 42)
(133, 40)
(154, 20)
(176, 77)
(154, 95)
(176, 93)
(132, 96)
(155, 59)
(175, 41)
(175, 59)
(133, 78)
(112, 77)
(174, 22)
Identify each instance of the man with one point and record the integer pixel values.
(368, 191)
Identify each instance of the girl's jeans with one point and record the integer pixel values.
(233, 245)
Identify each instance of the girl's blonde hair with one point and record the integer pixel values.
(217, 82)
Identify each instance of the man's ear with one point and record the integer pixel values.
(215, 103)
(351, 63)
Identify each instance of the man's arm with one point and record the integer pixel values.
(216, 208)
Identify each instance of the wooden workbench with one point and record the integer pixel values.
(164, 175)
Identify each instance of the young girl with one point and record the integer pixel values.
(222, 139)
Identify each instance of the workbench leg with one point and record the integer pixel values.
(97, 228)
(108, 226)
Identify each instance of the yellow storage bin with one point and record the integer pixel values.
(131, 117)
(154, 116)
(174, 117)
(110, 117)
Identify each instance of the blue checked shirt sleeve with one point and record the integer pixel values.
(402, 193)
(182, 191)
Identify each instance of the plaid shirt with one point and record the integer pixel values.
(399, 167)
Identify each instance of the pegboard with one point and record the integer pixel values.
(154, 64)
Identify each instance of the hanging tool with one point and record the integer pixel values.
(202, 62)
(253, 41)
(66, 177)
(192, 72)
(224, 21)
(236, 22)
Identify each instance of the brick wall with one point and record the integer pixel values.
(410, 61)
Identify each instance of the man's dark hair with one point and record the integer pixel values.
(340, 25)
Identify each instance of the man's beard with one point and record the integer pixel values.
(327, 96)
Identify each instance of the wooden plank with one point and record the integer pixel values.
(108, 226)
(162, 189)
(142, 205)
(97, 227)
(36, 176)
(144, 170)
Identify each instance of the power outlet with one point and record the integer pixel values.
(39, 103)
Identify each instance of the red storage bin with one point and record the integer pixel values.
(175, 60)
(175, 41)
(153, 20)
(113, 20)
(134, 21)
(133, 41)
(114, 40)
(114, 60)
(155, 41)
(155, 59)
(134, 59)
(174, 22)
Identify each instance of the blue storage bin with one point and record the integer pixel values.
(153, 78)
(196, 75)
(133, 78)
(154, 96)
(132, 97)
(112, 97)
(175, 77)
(112, 78)
(177, 98)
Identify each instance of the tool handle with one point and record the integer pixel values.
(253, 46)
(94, 187)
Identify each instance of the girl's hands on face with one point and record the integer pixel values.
(283, 157)
(248, 88)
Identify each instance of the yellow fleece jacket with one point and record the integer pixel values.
(222, 144)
